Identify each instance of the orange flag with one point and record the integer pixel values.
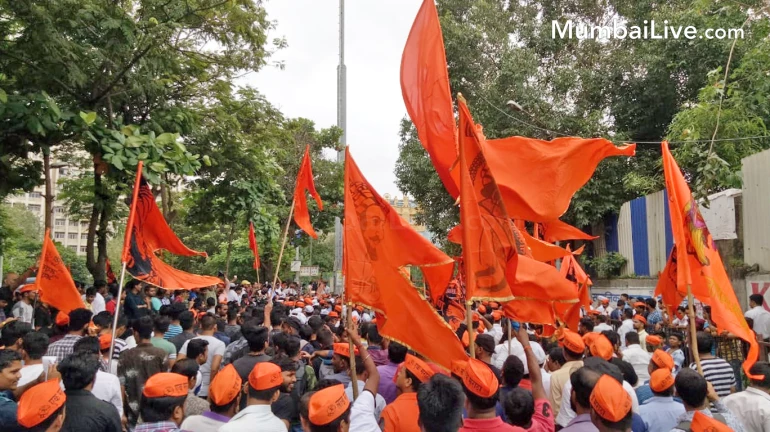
(54, 282)
(110, 274)
(557, 230)
(571, 270)
(253, 245)
(305, 184)
(425, 87)
(378, 244)
(698, 263)
(147, 232)
(542, 250)
(666, 286)
(537, 179)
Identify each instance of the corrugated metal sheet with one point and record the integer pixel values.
(756, 210)
(669, 233)
(611, 233)
(625, 241)
(639, 236)
(656, 236)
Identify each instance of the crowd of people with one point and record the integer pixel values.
(248, 357)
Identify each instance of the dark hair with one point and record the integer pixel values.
(277, 315)
(621, 303)
(89, 344)
(35, 344)
(628, 313)
(103, 319)
(208, 322)
(613, 337)
(130, 285)
(632, 338)
(210, 301)
(165, 310)
(176, 309)
(45, 424)
(196, 347)
(583, 381)
(90, 291)
(324, 383)
(291, 346)
(629, 374)
(78, 370)
(481, 403)
(519, 406)
(285, 363)
(263, 395)
(160, 409)
(373, 334)
(440, 402)
(144, 326)
(759, 299)
(325, 338)
(705, 342)
(601, 318)
(232, 314)
(187, 367)
(79, 318)
(677, 335)
(557, 354)
(304, 404)
(256, 337)
(316, 323)
(186, 320)
(161, 323)
(396, 352)
(513, 371)
(587, 323)
(691, 387)
(761, 368)
(305, 332)
(7, 357)
(651, 302)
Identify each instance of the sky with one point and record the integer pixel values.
(375, 33)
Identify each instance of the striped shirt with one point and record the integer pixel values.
(719, 373)
(172, 331)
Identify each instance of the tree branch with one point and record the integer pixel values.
(120, 74)
(66, 88)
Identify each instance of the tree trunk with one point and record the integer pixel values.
(164, 198)
(101, 264)
(93, 222)
(48, 197)
(229, 249)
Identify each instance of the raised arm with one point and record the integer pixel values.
(374, 377)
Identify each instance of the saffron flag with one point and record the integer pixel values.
(666, 286)
(425, 88)
(110, 274)
(698, 264)
(305, 184)
(253, 245)
(543, 251)
(537, 179)
(570, 269)
(557, 230)
(54, 282)
(147, 233)
(378, 244)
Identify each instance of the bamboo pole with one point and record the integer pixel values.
(283, 244)
(117, 313)
(693, 330)
(353, 374)
(509, 336)
(469, 323)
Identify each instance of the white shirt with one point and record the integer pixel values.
(625, 327)
(752, 406)
(640, 360)
(566, 414)
(29, 374)
(216, 348)
(379, 403)
(204, 423)
(683, 322)
(362, 415)
(598, 328)
(546, 382)
(253, 418)
(107, 388)
(98, 305)
(761, 319)
(496, 332)
(23, 311)
(233, 296)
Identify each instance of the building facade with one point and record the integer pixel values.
(407, 209)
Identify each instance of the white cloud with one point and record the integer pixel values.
(375, 33)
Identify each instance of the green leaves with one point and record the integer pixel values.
(88, 117)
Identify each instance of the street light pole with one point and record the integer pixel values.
(342, 124)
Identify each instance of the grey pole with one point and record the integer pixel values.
(342, 124)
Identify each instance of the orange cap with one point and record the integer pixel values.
(482, 309)
(661, 380)
(589, 338)
(39, 402)
(105, 341)
(28, 288)
(328, 405)
(703, 423)
(479, 379)
(653, 340)
(484, 302)
(458, 367)
(466, 339)
(573, 342)
(639, 317)
(497, 315)
(592, 312)
(494, 305)
(299, 304)
(640, 304)
(343, 349)
(308, 300)
(663, 359)
(418, 368)
(606, 301)
(602, 347)
(610, 400)
(62, 319)
(166, 384)
(226, 386)
(265, 376)
(475, 317)
(338, 308)
(334, 314)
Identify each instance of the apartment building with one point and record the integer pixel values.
(407, 209)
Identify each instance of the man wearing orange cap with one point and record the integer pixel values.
(610, 406)
(225, 394)
(481, 387)
(263, 388)
(162, 403)
(637, 356)
(661, 412)
(698, 395)
(659, 360)
(640, 325)
(41, 408)
(574, 348)
(403, 413)
(23, 310)
(87, 412)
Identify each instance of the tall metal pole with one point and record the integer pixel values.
(342, 124)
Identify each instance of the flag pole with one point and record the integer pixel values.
(469, 323)
(117, 312)
(353, 375)
(509, 337)
(283, 244)
(693, 330)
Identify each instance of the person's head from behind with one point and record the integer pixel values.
(329, 410)
(34, 346)
(225, 392)
(586, 325)
(662, 383)
(256, 336)
(189, 368)
(756, 300)
(760, 369)
(79, 320)
(198, 349)
(691, 388)
(211, 302)
(555, 359)
(160, 325)
(705, 342)
(440, 401)
(41, 408)
(89, 344)
(265, 382)
(610, 405)
(513, 371)
(143, 328)
(163, 398)
(10, 369)
(396, 352)
(519, 406)
(78, 370)
(632, 338)
(186, 320)
(102, 321)
(208, 323)
(480, 386)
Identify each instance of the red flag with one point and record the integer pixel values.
(378, 244)
(699, 265)
(110, 274)
(305, 184)
(253, 245)
(54, 282)
(147, 233)
(425, 87)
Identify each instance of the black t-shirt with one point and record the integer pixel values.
(244, 365)
(285, 408)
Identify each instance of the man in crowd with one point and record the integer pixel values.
(10, 372)
(715, 370)
(440, 405)
(752, 405)
(396, 356)
(225, 394)
(610, 406)
(162, 403)
(87, 413)
(573, 348)
(481, 388)
(158, 340)
(256, 336)
(23, 309)
(41, 408)
(402, 414)
(135, 306)
(33, 347)
(79, 320)
(189, 367)
(175, 328)
(186, 322)
(661, 412)
(697, 394)
(760, 316)
(637, 356)
(627, 325)
(264, 388)
(216, 349)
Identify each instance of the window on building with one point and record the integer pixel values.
(18, 204)
(84, 236)
(58, 235)
(58, 209)
(72, 236)
(73, 247)
(400, 203)
(73, 223)
(34, 208)
(84, 225)
(82, 249)
(34, 195)
(59, 222)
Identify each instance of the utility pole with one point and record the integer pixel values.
(342, 124)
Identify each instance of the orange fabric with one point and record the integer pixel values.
(601, 347)
(378, 243)
(703, 423)
(305, 184)
(54, 282)
(265, 376)
(663, 359)
(640, 318)
(609, 399)
(653, 340)
(166, 384)
(455, 234)
(110, 274)
(425, 88)
(418, 368)
(557, 230)
(538, 286)
(334, 314)
(497, 315)
(543, 251)
(667, 287)
(253, 245)
(337, 308)
(640, 304)
(538, 178)
(482, 309)
(327, 405)
(343, 349)
(459, 366)
(226, 385)
(494, 305)
(455, 314)
(125, 255)
(38, 403)
(148, 234)
(402, 414)
(299, 304)
(699, 263)
(479, 379)
(105, 341)
(589, 338)
(27, 288)
(62, 319)
(570, 270)
(661, 380)
(573, 342)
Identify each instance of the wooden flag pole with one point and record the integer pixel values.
(693, 330)
(283, 244)
(469, 323)
(353, 375)
(116, 314)
(509, 336)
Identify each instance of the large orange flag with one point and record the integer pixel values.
(305, 184)
(537, 179)
(698, 262)
(425, 87)
(253, 245)
(557, 230)
(666, 286)
(54, 282)
(147, 232)
(571, 270)
(378, 244)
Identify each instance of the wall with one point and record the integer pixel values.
(758, 284)
(756, 210)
